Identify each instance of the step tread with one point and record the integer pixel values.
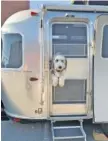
(71, 137)
(65, 127)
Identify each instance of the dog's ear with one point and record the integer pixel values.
(51, 64)
(65, 63)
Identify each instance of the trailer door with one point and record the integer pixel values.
(70, 38)
(101, 70)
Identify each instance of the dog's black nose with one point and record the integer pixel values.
(60, 67)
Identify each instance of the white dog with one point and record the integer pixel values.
(58, 69)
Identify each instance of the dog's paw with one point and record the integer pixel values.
(61, 82)
(54, 81)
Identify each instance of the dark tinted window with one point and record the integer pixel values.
(105, 42)
(97, 2)
(91, 2)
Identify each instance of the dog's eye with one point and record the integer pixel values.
(62, 61)
(57, 60)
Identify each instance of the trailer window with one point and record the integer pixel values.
(70, 39)
(12, 51)
(105, 42)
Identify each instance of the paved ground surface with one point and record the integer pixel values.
(11, 131)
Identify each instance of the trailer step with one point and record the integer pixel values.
(64, 133)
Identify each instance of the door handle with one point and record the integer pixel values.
(33, 79)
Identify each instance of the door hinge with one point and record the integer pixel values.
(93, 48)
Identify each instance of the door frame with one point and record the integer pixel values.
(84, 108)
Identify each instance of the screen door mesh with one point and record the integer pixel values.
(74, 91)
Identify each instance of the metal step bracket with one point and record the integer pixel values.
(68, 132)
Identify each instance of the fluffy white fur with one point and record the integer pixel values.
(59, 67)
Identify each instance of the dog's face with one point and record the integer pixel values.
(60, 63)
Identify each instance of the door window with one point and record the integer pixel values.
(105, 42)
(70, 39)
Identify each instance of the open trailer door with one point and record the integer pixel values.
(101, 70)
(70, 37)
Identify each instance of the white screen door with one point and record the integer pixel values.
(71, 40)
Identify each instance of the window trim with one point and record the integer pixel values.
(102, 33)
(21, 67)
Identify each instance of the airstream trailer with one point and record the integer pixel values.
(30, 41)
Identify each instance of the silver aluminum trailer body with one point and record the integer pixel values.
(75, 31)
